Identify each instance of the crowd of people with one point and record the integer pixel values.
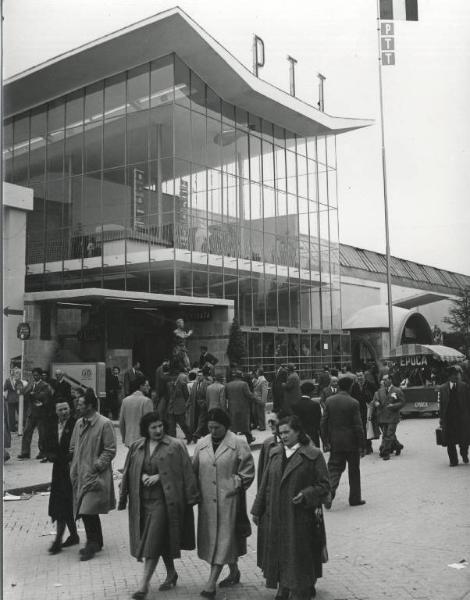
(161, 483)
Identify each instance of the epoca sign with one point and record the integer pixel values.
(413, 361)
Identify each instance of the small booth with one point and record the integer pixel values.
(419, 369)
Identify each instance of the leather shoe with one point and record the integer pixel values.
(386, 457)
(72, 540)
(282, 594)
(230, 580)
(169, 582)
(360, 503)
(139, 595)
(55, 548)
(40, 455)
(465, 459)
(206, 594)
(23, 456)
(89, 551)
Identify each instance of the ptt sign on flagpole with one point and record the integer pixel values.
(387, 43)
(389, 11)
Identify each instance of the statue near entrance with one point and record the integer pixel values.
(180, 352)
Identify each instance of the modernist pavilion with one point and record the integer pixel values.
(169, 181)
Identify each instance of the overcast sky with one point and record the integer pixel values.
(426, 98)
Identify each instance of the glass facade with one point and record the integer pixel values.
(149, 181)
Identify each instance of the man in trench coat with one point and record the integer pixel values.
(239, 402)
(93, 447)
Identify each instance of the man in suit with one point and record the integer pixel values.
(133, 408)
(388, 401)
(61, 497)
(12, 389)
(129, 377)
(198, 404)
(291, 390)
(162, 379)
(330, 390)
(280, 377)
(62, 388)
(39, 394)
(309, 412)
(358, 392)
(324, 379)
(215, 393)
(177, 401)
(454, 414)
(207, 357)
(343, 437)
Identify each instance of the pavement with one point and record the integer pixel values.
(396, 547)
(26, 476)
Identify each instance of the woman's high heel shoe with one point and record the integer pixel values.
(169, 582)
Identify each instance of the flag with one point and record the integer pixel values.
(399, 10)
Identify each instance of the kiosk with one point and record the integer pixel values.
(419, 369)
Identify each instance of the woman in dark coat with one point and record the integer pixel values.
(159, 481)
(61, 497)
(288, 506)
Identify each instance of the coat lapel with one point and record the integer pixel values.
(292, 464)
(228, 443)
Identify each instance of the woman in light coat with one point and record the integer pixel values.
(225, 469)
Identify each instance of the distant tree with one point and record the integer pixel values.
(459, 318)
(236, 348)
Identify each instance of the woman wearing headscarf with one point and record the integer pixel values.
(288, 505)
(159, 481)
(225, 469)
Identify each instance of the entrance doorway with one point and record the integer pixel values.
(148, 333)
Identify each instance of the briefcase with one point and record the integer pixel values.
(440, 437)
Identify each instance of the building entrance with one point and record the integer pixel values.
(146, 332)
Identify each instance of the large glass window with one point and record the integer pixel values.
(149, 180)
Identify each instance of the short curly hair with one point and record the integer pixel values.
(147, 420)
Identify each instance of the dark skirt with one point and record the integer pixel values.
(154, 538)
(61, 497)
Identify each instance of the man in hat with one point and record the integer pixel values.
(454, 413)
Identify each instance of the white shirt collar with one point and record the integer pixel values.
(290, 451)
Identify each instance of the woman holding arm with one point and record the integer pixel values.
(159, 481)
(224, 468)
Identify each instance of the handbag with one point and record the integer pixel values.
(440, 437)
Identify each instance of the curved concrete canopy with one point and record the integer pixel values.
(170, 31)
(376, 317)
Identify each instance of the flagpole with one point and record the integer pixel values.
(384, 177)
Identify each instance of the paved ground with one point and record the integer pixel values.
(397, 547)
